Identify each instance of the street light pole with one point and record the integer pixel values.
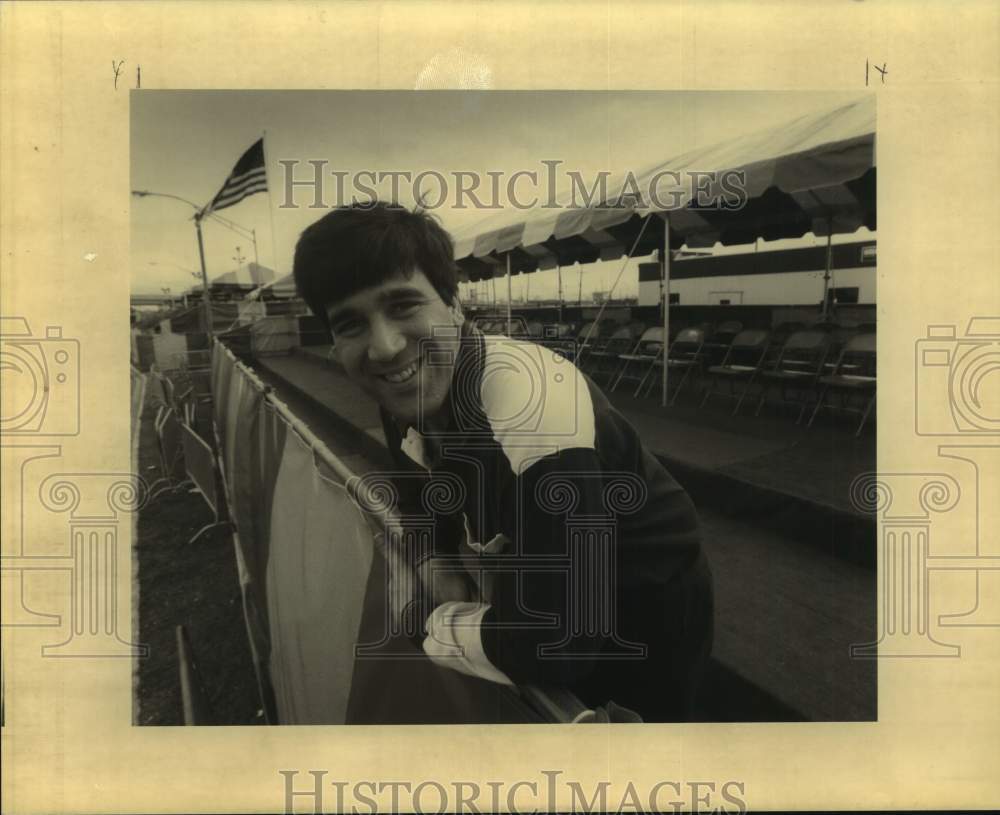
(201, 251)
(204, 280)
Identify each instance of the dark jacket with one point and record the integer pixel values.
(591, 536)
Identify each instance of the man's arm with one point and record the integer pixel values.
(562, 580)
(436, 585)
(549, 616)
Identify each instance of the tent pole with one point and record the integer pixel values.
(666, 304)
(829, 262)
(508, 294)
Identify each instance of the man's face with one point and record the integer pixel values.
(384, 336)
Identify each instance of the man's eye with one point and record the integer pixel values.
(348, 328)
(404, 308)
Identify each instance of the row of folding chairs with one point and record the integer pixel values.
(526, 329)
(602, 345)
(823, 366)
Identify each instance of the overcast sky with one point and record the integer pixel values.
(185, 143)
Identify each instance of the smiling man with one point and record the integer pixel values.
(569, 556)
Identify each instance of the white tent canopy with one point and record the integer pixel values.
(283, 287)
(815, 173)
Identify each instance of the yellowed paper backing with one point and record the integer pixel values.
(68, 740)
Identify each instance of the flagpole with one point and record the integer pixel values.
(270, 204)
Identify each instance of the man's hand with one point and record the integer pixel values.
(429, 587)
(415, 593)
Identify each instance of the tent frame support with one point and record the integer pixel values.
(559, 277)
(827, 274)
(508, 294)
(666, 306)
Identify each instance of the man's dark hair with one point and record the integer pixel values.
(361, 245)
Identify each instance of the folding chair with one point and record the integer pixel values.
(798, 368)
(686, 353)
(647, 350)
(676, 327)
(587, 339)
(637, 327)
(726, 332)
(171, 453)
(518, 328)
(205, 474)
(840, 336)
(717, 342)
(602, 361)
(742, 363)
(779, 334)
(854, 374)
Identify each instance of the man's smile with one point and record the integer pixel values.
(401, 375)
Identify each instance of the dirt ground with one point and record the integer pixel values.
(195, 586)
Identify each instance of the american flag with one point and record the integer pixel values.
(247, 177)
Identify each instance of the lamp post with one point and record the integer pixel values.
(201, 251)
(232, 226)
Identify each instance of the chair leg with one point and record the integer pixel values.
(642, 381)
(207, 528)
(621, 373)
(708, 392)
(653, 380)
(680, 385)
(647, 382)
(743, 394)
(819, 404)
(760, 401)
(864, 416)
(802, 408)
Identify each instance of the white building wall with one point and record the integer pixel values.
(788, 288)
